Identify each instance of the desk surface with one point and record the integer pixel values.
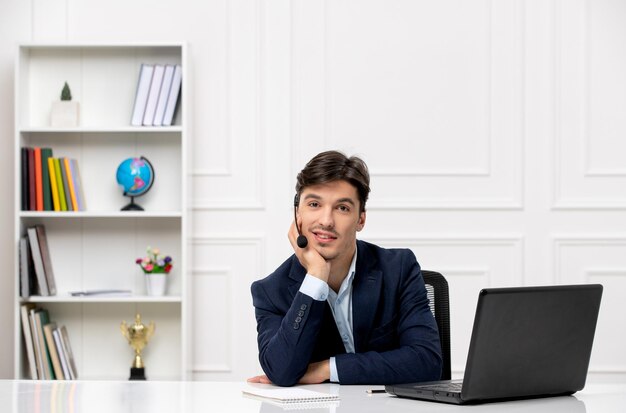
(100, 396)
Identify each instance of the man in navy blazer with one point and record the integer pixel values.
(341, 309)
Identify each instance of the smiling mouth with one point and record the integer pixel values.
(324, 236)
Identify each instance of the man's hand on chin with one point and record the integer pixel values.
(317, 372)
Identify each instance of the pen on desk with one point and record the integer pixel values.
(374, 391)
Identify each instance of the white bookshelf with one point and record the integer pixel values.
(97, 248)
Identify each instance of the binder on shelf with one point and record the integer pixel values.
(172, 99)
(159, 112)
(46, 153)
(28, 339)
(141, 95)
(153, 96)
(38, 262)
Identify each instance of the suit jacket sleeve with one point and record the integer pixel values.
(287, 331)
(416, 354)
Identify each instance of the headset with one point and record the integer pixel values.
(301, 240)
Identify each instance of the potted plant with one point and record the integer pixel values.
(155, 267)
(64, 112)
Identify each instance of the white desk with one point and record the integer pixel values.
(218, 397)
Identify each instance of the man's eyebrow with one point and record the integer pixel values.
(339, 201)
(346, 200)
(312, 196)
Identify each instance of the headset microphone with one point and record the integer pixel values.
(301, 241)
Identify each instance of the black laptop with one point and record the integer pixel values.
(526, 342)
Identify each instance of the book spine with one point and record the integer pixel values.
(38, 261)
(66, 187)
(24, 179)
(32, 315)
(38, 184)
(28, 339)
(141, 95)
(42, 318)
(52, 349)
(57, 169)
(56, 334)
(24, 276)
(45, 258)
(78, 185)
(32, 198)
(163, 95)
(46, 153)
(53, 185)
(172, 99)
(70, 184)
(153, 96)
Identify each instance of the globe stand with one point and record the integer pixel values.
(132, 206)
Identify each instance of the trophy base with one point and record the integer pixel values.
(137, 373)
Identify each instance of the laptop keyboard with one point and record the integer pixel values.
(446, 387)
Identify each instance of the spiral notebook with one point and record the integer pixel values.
(289, 395)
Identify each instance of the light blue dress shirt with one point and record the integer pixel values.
(340, 305)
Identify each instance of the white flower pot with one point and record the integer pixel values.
(64, 114)
(156, 284)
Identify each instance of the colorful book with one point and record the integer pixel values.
(38, 182)
(57, 169)
(53, 185)
(45, 258)
(24, 179)
(70, 184)
(78, 185)
(38, 262)
(66, 186)
(46, 153)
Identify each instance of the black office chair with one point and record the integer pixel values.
(437, 290)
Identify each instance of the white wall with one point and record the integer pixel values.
(493, 130)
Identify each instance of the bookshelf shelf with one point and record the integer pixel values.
(96, 248)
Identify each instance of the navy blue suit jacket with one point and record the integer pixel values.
(395, 334)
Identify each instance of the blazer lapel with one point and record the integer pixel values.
(366, 288)
(296, 274)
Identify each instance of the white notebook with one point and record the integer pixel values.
(289, 395)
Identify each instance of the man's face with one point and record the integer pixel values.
(330, 218)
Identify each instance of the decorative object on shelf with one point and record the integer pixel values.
(65, 112)
(138, 336)
(155, 267)
(136, 176)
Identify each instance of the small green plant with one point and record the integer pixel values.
(66, 94)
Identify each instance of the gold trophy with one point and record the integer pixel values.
(138, 336)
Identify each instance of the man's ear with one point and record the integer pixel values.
(361, 223)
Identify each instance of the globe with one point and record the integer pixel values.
(136, 177)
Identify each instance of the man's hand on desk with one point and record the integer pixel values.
(316, 373)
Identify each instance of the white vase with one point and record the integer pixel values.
(156, 284)
(64, 114)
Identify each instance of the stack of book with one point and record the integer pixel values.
(157, 96)
(36, 274)
(47, 346)
(50, 184)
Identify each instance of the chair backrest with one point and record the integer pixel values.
(437, 290)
